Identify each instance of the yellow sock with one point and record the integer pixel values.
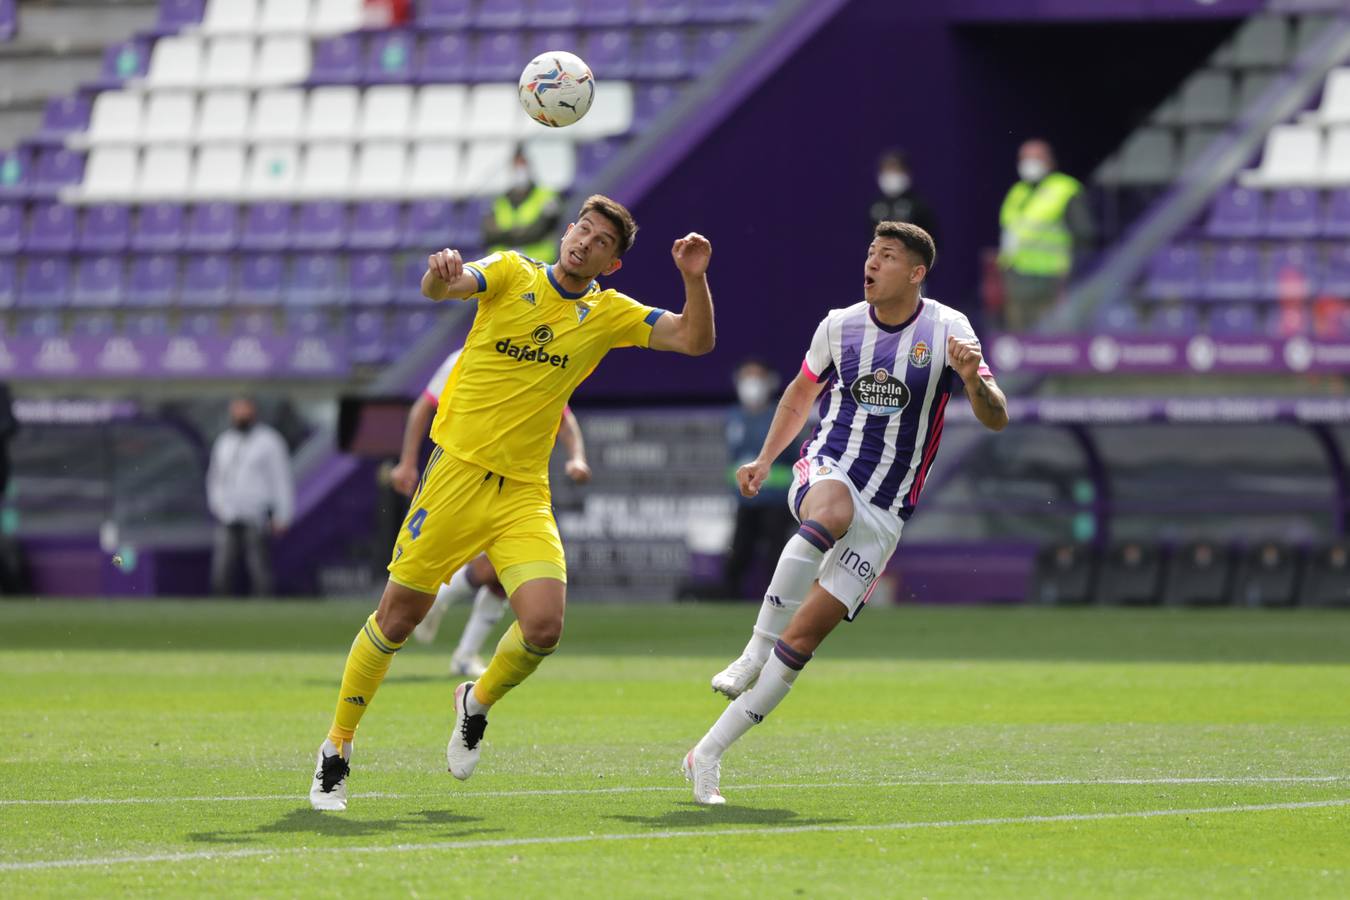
(515, 660)
(367, 664)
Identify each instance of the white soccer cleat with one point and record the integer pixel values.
(467, 666)
(425, 632)
(328, 790)
(461, 754)
(704, 775)
(738, 677)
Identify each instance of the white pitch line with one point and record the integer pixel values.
(659, 788)
(245, 852)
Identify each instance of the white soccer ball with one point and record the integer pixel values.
(556, 88)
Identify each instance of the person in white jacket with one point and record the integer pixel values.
(251, 493)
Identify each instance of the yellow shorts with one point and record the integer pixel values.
(460, 510)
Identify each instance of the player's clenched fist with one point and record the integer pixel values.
(965, 356)
(447, 265)
(750, 476)
(692, 254)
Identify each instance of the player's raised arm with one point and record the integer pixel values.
(986, 399)
(691, 332)
(446, 278)
(793, 408)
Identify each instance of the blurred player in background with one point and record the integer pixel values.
(859, 477)
(538, 331)
(477, 578)
(526, 217)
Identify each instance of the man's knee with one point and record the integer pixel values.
(836, 514)
(401, 609)
(542, 631)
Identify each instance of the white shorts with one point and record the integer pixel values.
(850, 571)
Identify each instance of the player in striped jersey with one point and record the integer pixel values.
(885, 366)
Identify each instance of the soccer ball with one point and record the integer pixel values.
(556, 88)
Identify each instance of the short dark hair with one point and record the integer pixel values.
(894, 155)
(618, 216)
(915, 239)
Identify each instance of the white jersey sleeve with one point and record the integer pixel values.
(960, 328)
(436, 386)
(819, 362)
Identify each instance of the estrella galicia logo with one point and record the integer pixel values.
(542, 335)
(880, 393)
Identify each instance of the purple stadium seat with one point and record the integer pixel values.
(40, 325)
(711, 45)
(1336, 275)
(212, 226)
(11, 226)
(366, 338)
(1234, 273)
(9, 282)
(555, 13)
(411, 326)
(57, 167)
(1293, 272)
(154, 280)
(123, 60)
(15, 171)
(374, 225)
(46, 281)
(9, 19)
(145, 324)
(466, 231)
(444, 13)
(98, 280)
(1173, 318)
(261, 276)
(267, 226)
(408, 289)
(661, 12)
(1336, 221)
(255, 323)
(1174, 273)
(501, 14)
(1237, 212)
(315, 280)
(371, 276)
(428, 224)
(307, 322)
(337, 60)
(51, 228)
(174, 14)
(1292, 213)
(650, 102)
(593, 157)
(159, 228)
(320, 226)
(609, 53)
(201, 324)
(64, 115)
(662, 54)
(722, 11)
(498, 56)
(208, 280)
(606, 13)
(1117, 318)
(104, 229)
(389, 57)
(444, 59)
(1234, 318)
(554, 39)
(94, 324)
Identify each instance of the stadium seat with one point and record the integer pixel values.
(114, 117)
(283, 59)
(208, 280)
(337, 60)
(1292, 273)
(327, 170)
(609, 54)
(230, 16)
(143, 324)
(1174, 273)
(381, 170)
(1292, 156)
(611, 115)
(1336, 215)
(267, 226)
(98, 280)
(650, 102)
(40, 325)
(554, 39)
(494, 112)
(374, 225)
(1063, 575)
(662, 54)
(9, 282)
(230, 61)
(445, 13)
(497, 57)
(224, 116)
(122, 61)
(320, 226)
(1206, 98)
(366, 338)
(219, 172)
(57, 167)
(435, 169)
(1336, 163)
(51, 228)
(94, 324)
(11, 226)
(1236, 212)
(333, 16)
(389, 58)
(45, 281)
(1336, 274)
(166, 171)
(273, 170)
(408, 273)
(261, 276)
(386, 112)
(428, 223)
(1200, 574)
(722, 11)
(315, 279)
(660, 12)
(1149, 156)
(1335, 107)
(1234, 274)
(175, 15)
(284, 16)
(1261, 41)
(1293, 213)
(65, 114)
(1117, 318)
(554, 13)
(159, 228)
(279, 115)
(1268, 576)
(1130, 575)
(1254, 83)
(594, 156)
(332, 114)
(605, 13)
(1174, 318)
(175, 62)
(444, 58)
(440, 112)
(501, 14)
(1232, 319)
(153, 280)
(553, 164)
(487, 166)
(371, 276)
(15, 170)
(169, 116)
(212, 226)
(710, 46)
(1327, 579)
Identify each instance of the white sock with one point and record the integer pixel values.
(487, 612)
(472, 706)
(330, 748)
(456, 590)
(749, 708)
(798, 566)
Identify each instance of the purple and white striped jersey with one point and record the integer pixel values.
(888, 385)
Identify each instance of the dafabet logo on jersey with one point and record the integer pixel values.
(534, 352)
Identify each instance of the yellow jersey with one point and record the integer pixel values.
(532, 343)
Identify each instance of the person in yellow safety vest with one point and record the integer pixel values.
(1044, 220)
(526, 218)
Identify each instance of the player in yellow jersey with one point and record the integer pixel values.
(538, 332)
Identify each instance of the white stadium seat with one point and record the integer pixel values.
(1293, 156)
(494, 112)
(278, 114)
(611, 114)
(382, 169)
(386, 111)
(283, 60)
(333, 16)
(219, 172)
(229, 61)
(224, 116)
(273, 170)
(1336, 162)
(284, 17)
(230, 16)
(169, 116)
(553, 163)
(332, 113)
(487, 167)
(440, 111)
(116, 116)
(110, 172)
(436, 169)
(165, 171)
(1335, 97)
(175, 62)
(327, 170)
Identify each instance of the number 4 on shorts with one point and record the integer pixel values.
(415, 521)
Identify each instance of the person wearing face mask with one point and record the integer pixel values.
(1045, 221)
(251, 493)
(526, 218)
(762, 522)
(898, 201)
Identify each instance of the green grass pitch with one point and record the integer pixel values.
(165, 749)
